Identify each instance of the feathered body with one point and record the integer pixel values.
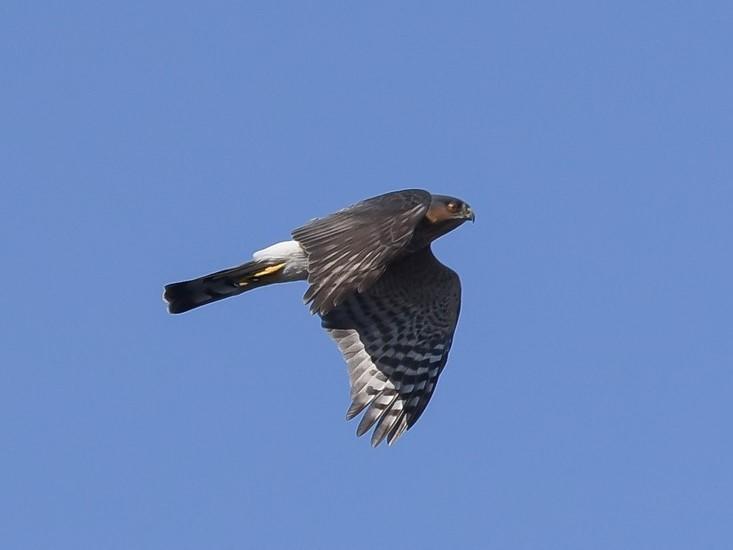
(385, 299)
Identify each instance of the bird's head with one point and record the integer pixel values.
(444, 214)
(449, 210)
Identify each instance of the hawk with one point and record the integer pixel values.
(381, 294)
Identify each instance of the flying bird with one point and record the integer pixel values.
(381, 294)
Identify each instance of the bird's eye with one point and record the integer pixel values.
(453, 207)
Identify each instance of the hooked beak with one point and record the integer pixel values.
(470, 215)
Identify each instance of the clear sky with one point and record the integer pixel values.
(587, 400)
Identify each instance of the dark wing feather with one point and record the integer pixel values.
(395, 338)
(349, 250)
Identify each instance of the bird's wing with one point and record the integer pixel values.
(349, 250)
(395, 338)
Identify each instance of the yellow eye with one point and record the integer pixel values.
(453, 207)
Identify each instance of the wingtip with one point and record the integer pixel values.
(362, 429)
(377, 438)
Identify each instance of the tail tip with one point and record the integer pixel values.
(178, 298)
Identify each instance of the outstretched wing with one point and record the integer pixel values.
(395, 338)
(349, 250)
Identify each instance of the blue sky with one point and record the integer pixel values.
(587, 400)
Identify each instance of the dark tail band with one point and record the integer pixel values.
(188, 295)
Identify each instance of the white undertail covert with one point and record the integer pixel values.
(290, 252)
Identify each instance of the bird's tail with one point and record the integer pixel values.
(191, 294)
